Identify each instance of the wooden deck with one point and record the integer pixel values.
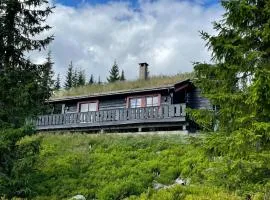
(115, 118)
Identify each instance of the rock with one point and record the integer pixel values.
(180, 181)
(78, 197)
(158, 186)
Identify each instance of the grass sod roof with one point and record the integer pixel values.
(95, 89)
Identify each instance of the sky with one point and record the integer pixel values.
(95, 33)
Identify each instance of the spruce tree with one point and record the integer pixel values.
(75, 78)
(21, 95)
(238, 82)
(24, 87)
(122, 77)
(114, 73)
(57, 85)
(47, 77)
(69, 77)
(99, 81)
(81, 78)
(91, 80)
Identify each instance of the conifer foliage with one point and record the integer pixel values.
(81, 78)
(69, 77)
(24, 88)
(122, 77)
(239, 83)
(22, 91)
(47, 76)
(91, 80)
(57, 84)
(114, 73)
(74, 77)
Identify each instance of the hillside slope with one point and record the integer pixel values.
(111, 167)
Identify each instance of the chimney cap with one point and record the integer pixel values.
(144, 64)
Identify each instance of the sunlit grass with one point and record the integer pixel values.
(112, 167)
(155, 81)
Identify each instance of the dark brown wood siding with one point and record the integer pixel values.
(71, 107)
(114, 102)
(108, 104)
(195, 100)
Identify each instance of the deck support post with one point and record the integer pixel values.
(140, 129)
(102, 131)
(63, 108)
(184, 127)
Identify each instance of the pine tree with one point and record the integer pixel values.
(57, 85)
(91, 80)
(114, 73)
(69, 77)
(81, 78)
(239, 83)
(122, 77)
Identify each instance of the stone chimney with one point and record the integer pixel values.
(143, 71)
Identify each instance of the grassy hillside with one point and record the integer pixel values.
(155, 81)
(111, 167)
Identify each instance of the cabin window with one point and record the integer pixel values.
(144, 101)
(135, 103)
(152, 101)
(89, 106)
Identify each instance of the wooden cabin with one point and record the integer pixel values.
(141, 109)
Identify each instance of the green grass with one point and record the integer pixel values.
(191, 192)
(154, 81)
(111, 167)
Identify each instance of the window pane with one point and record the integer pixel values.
(155, 101)
(135, 103)
(84, 107)
(92, 107)
(139, 103)
(149, 101)
(132, 103)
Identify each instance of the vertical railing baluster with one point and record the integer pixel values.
(91, 116)
(183, 109)
(171, 110)
(49, 120)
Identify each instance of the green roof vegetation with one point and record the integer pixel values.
(154, 81)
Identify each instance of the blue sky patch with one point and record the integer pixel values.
(133, 3)
(75, 3)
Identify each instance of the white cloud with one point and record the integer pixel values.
(163, 33)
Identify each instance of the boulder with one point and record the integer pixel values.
(180, 181)
(158, 186)
(78, 197)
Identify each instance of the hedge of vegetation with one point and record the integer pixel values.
(110, 167)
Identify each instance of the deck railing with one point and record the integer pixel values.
(113, 115)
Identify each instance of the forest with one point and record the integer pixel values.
(228, 159)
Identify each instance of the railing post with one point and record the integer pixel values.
(166, 111)
(183, 106)
(93, 117)
(171, 111)
(177, 109)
